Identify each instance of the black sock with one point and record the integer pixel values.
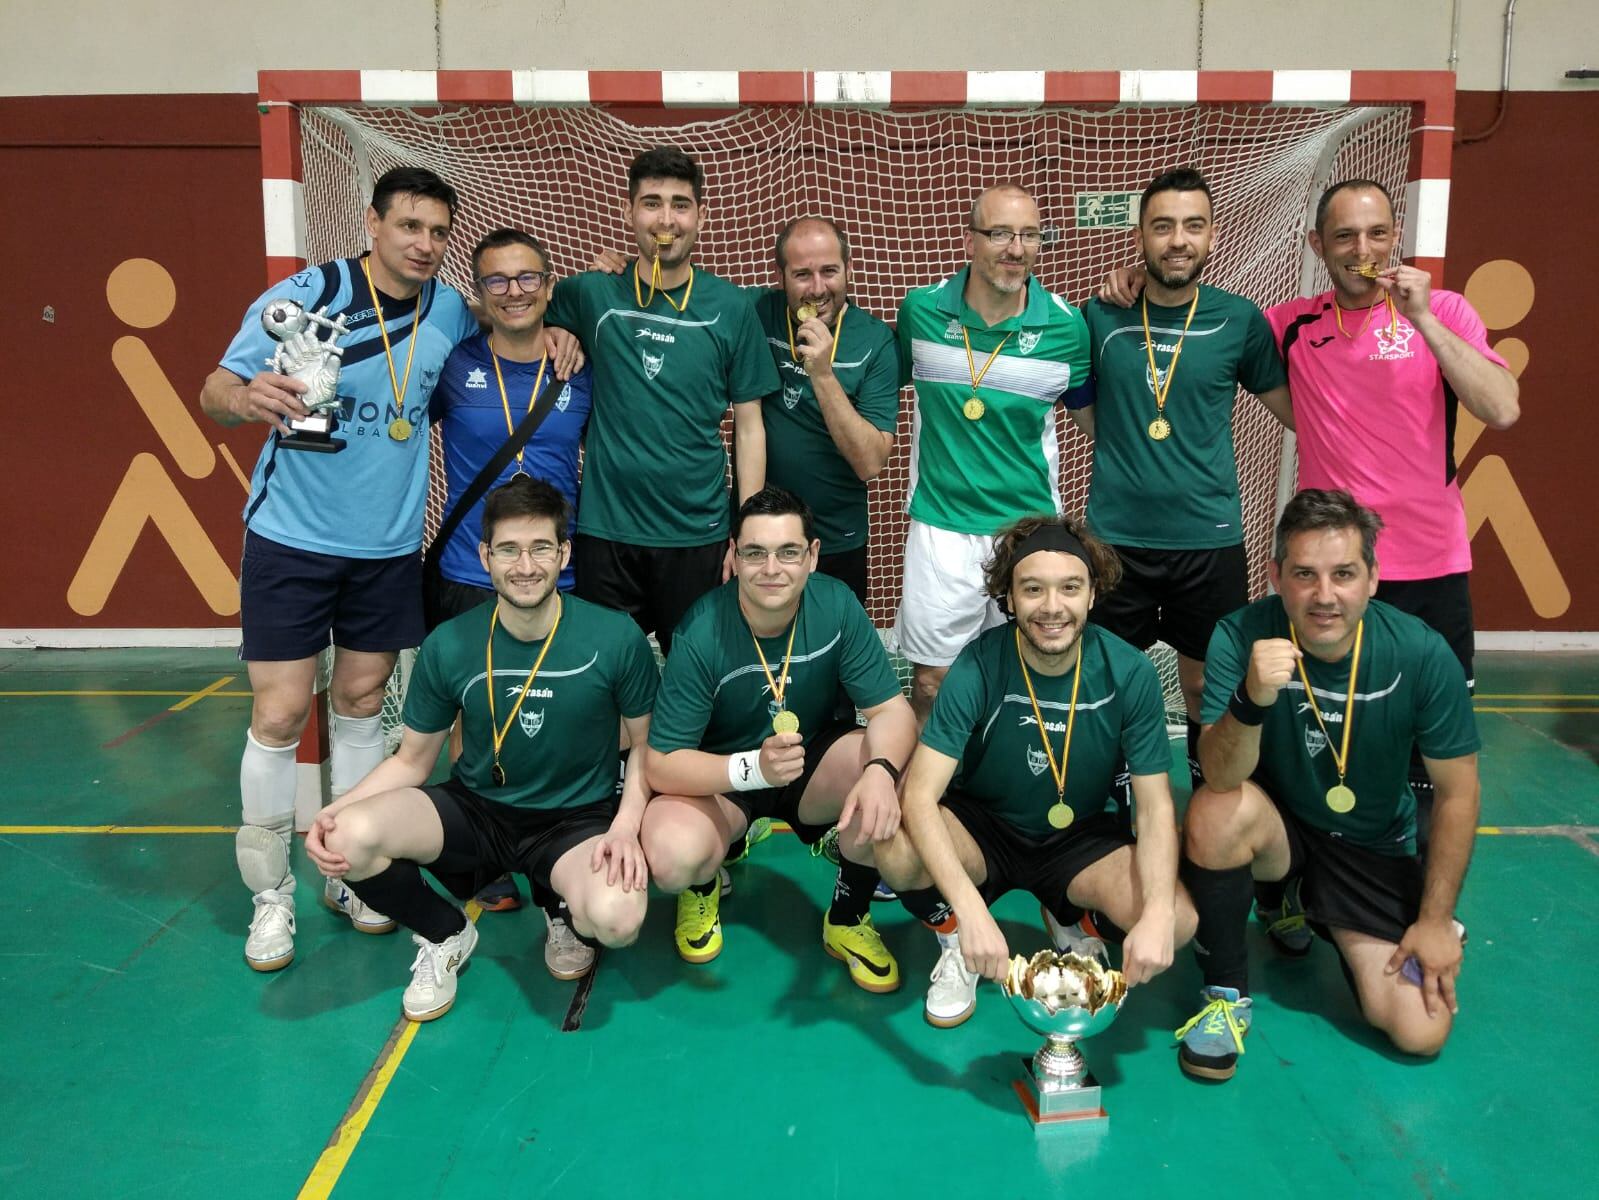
(1196, 777)
(1221, 898)
(740, 846)
(709, 887)
(852, 892)
(400, 892)
(1269, 893)
(927, 906)
(1065, 912)
(545, 897)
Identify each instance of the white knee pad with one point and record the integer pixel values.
(262, 853)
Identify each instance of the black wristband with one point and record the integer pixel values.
(1245, 711)
(893, 771)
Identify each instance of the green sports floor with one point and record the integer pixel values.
(140, 1058)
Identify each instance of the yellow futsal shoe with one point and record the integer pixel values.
(699, 925)
(871, 966)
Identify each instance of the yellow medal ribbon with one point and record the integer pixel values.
(1340, 798)
(400, 429)
(780, 686)
(505, 402)
(1163, 389)
(1393, 318)
(655, 286)
(1060, 814)
(838, 324)
(974, 408)
(499, 731)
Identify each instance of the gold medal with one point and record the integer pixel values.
(400, 429)
(784, 721)
(1160, 429)
(665, 239)
(973, 409)
(1060, 815)
(806, 312)
(1367, 270)
(1340, 799)
(498, 731)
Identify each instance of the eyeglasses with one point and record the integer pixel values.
(1030, 239)
(531, 282)
(756, 556)
(510, 552)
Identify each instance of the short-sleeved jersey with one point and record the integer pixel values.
(560, 751)
(1410, 690)
(975, 476)
(1180, 493)
(365, 501)
(1374, 415)
(800, 452)
(715, 695)
(469, 408)
(655, 467)
(984, 717)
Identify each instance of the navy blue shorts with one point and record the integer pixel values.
(294, 602)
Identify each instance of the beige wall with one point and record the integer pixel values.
(68, 47)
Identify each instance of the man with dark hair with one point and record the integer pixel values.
(989, 352)
(747, 728)
(1314, 697)
(993, 801)
(1159, 406)
(542, 681)
(331, 539)
(671, 348)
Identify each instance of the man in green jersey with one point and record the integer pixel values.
(1313, 699)
(990, 352)
(746, 728)
(671, 347)
(1011, 785)
(542, 682)
(1159, 406)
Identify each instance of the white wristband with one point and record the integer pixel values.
(744, 771)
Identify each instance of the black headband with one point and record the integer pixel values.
(1056, 537)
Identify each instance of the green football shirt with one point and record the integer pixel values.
(800, 452)
(984, 717)
(1182, 492)
(655, 466)
(976, 476)
(715, 695)
(560, 751)
(1410, 691)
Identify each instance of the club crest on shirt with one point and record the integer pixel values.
(477, 379)
(653, 364)
(531, 722)
(564, 398)
(953, 329)
(430, 378)
(1150, 379)
(791, 395)
(1028, 341)
(1036, 761)
(1315, 742)
(1394, 345)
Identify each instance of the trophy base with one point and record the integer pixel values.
(317, 445)
(313, 433)
(1048, 1104)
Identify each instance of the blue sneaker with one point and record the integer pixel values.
(1285, 926)
(1209, 1045)
(883, 892)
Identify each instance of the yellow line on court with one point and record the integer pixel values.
(1517, 709)
(210, 691)
(330, 1164)
(133, 830)
(1534, 696)
(202, 693)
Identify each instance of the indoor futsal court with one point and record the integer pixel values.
(142, 1059)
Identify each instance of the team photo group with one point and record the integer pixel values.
(1331, 743)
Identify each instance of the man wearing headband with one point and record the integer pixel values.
(1314, 697)
(747, 727)
(672, 346)
(1011, 786)
(990, 352)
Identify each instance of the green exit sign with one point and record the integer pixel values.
(1107, 210)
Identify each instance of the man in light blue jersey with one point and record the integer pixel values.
(331, 540)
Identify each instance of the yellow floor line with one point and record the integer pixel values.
(134, 830)
(210, 691)
(202, 693)
(1534, 696)
(1517, 709)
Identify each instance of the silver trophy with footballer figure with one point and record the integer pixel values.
(1065, 997)
(304, 354)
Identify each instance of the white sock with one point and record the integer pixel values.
(266, 787)
(357, 748)
(948, 941)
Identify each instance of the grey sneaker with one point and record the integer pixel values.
(431, 991)
(565, 956)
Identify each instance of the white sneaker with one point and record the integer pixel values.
(431, 991)
(565, 955)
(1074, 939)
(270, 944)
(952, 998)
(366, 919)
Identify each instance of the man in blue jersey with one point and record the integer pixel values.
(331, 540)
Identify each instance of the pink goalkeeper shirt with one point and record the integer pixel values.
(1375, 416)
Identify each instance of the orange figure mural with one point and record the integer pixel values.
(1502, 292)
(142, 295)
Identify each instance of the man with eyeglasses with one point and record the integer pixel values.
(542, 681)
(746, 727)
(489, 385)
(989, 352)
